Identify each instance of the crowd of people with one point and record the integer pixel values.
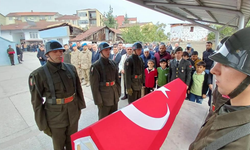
(162, 63)
(142, 68)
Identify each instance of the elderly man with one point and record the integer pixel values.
(95, 54)
(146, 56)
(85, 57)
(176, 45)
(121, 68)
(90, 47)
(161, 54)
(169, 47)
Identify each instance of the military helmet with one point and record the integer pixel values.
(53, 45)
(103, 46)
(221, 43)
(137, 45)
(235, 53)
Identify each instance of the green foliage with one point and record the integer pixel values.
(248, 24)
(126, 21)
(227, 31)
(146, 33)
(109, 19)
(132, 34)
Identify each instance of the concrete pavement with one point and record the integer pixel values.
(18, 129)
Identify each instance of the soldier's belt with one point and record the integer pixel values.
(107, 83)
(138, 76)
(61, 100)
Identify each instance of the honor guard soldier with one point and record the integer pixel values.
(134, 73)
(180, 68)
(56, 96)
(229, 127)
(105, 83)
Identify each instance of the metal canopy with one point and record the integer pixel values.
(233, 13)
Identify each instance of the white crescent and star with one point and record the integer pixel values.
(145, 121)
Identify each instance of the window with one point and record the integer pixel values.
(93, 22)
(25, 18)
(92, 15)
(83, 22)
(33, 35)
(10, 18)
(42, 17)
(49, 17)
(60, 40)
(191, 29)
(82, 14)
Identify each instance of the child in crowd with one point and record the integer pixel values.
(195, 58)
(199, 83)
(162, 73)
(186, 57)
(150, 77)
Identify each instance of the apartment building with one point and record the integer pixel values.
(31, 16)
(89, 18)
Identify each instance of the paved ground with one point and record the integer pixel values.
(19, 131)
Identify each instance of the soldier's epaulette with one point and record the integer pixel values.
(96, 62)
(38, 70)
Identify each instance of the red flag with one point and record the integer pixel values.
(142, 125)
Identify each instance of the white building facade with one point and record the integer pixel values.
(187, 32)
(18, 36)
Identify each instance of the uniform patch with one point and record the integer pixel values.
(92, 70)
(127, 63)
(190, 66)
(31, 83)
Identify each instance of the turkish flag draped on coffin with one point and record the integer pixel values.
(142, 125)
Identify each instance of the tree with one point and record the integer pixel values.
(126, 21)
(109, 19)
(145, 33)
(227, 31)
(132, 34)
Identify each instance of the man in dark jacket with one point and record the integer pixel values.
(95, 54)
(41, 56)
(209, 64)
(19, 53)
(116, 56)
(161, 54)
(67, 54)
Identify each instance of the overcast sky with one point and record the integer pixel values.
(69, 7)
